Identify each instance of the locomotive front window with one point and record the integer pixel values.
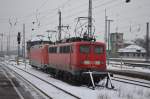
(98, 49)
(84, 49)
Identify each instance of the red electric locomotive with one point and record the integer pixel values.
(78, 56)
(78, 59)
(39, 56)
(69, 60)
(37, 52)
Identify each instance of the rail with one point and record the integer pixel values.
(131, 81)
(69, 93)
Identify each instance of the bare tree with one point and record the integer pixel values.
(141, 42)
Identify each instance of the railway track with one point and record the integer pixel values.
(132, 64)
(24, 79)
(7, 81)
(132, 81)
(64, 93)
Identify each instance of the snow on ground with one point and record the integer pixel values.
(117, 66)
(123, 91)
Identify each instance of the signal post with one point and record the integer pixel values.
(18, 40)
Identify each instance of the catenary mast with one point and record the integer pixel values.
(90, 19)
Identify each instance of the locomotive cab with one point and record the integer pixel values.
(90, 56)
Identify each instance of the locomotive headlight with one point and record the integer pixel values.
(97, 62)
(86, 62)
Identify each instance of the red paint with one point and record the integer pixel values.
(73, 61)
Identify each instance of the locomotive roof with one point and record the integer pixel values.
(81, 42)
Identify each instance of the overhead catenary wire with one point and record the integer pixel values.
(42, 5)
(81, 11)
(51, 23)
(47, 12)
(77, 13)
(42, 17)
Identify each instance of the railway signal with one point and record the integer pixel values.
(127, 1)
(19, 37)
(18, 40)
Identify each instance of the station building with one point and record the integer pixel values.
(132, 51)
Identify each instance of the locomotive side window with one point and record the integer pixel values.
(61, 49)
(84, 49)
(67, 49)
(52, 49)
(98, 49)
(64, 49)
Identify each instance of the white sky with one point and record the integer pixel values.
(134, 14)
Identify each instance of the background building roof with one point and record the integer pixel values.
(132, 48)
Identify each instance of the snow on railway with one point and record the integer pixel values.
(117, 66)
(123, 91)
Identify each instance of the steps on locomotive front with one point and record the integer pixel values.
(91, 75)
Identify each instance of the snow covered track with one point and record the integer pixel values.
(10, 83)
(131, 73)
(43, 85)
(132, 81)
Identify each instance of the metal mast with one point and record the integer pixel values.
(59, 27)
(90, 19)
(105, 38)
(147, 41)
(2, 44)
(23, 42)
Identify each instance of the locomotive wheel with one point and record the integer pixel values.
(70, 78)
(65, 77)
(76, 80)
(59, 74)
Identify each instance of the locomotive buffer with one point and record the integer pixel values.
(105, 74)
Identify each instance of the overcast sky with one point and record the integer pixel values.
(129, 19)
